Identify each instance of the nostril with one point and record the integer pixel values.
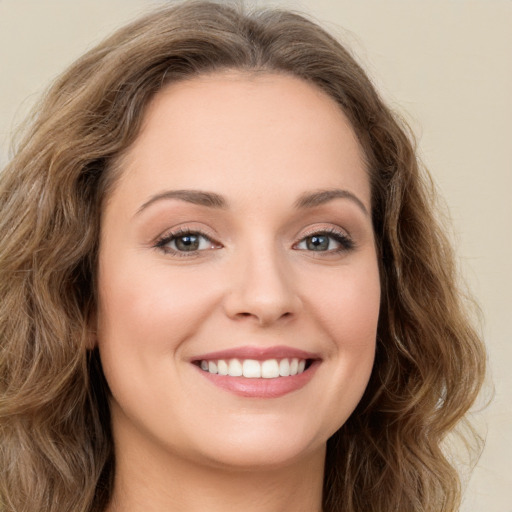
(244, 314)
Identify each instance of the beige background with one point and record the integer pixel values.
(446, 65)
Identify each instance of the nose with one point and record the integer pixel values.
(262, 289)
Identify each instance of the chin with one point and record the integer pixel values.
(253, 448)
(258, 457)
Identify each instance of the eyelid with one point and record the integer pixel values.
(184, 228)
(171, 234)
(324, 228)
(341, 235)
(328, 229)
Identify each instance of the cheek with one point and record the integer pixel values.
(150, 308)
(347, 306)
(144, 323)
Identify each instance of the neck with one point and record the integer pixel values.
(148, 482)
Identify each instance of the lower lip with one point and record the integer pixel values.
(262, 388)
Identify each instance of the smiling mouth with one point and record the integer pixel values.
(258, 372)
(255, 369)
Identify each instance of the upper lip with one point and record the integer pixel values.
(257, 353)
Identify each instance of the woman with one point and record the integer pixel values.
(224, 285)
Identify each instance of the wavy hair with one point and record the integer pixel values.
(56, 448)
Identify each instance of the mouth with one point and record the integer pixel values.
(258, 372)
(254, 369)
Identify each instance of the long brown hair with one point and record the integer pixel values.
(55, 442)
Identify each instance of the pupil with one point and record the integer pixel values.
(187, 243)
(318, 243)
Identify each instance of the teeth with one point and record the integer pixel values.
(284, 368)
(270, 369)
(252, 369)
(222, 367)
(235, 368)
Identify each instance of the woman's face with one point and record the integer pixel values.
(238, 240)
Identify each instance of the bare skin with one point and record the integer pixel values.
(240, 226)
(151, 483)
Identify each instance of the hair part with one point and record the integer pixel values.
(56, 448)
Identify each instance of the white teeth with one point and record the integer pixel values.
(270, 369)
(222, 367)
(253, 369)
(284, 368)
(235, 368)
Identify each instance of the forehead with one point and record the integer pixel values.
(233, 130)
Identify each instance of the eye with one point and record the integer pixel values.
(186, 241)
(325, 241)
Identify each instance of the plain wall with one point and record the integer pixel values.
(445, 65)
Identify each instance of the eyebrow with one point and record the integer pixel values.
(213, 200)
(320, 197)
(199, 197)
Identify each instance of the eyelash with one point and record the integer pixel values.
(345, 242)
(162, 243)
